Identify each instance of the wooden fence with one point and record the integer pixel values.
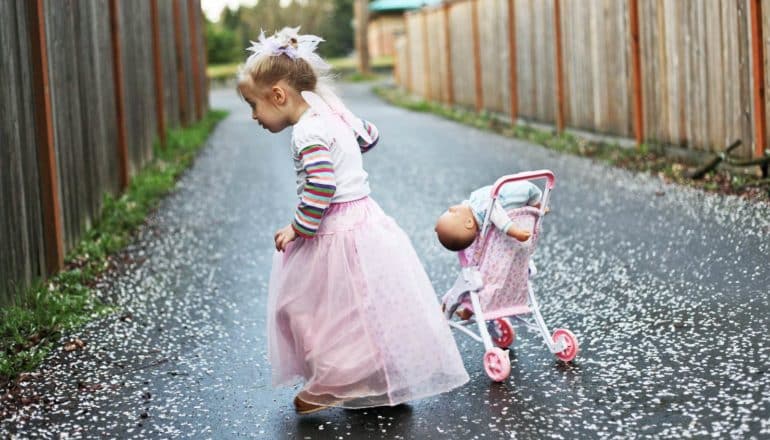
(87, 87)
(689, 73)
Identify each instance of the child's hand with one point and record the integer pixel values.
(283, 237)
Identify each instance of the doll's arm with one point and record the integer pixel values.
(500, 219)
(318, 191)
(374, 134)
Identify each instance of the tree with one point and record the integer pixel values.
(330, 19)
(222, 44)
(362, 40)
(337, 30)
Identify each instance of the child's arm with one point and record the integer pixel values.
(318, 191)
(373, 133)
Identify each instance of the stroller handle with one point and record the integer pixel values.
(527, 175)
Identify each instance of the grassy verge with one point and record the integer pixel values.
(221, 72)
(649, 158)
(345, 67)
(29, 329)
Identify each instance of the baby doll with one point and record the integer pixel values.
(458, 227)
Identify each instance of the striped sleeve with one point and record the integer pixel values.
(318, 191)
(374, 134)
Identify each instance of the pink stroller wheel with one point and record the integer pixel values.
(569, 338)
(497, 364)
(506, 333)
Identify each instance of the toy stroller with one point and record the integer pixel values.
(494, 285)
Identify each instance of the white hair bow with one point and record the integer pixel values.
(288, 41)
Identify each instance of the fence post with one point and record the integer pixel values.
(448, 50)
(758, 76)
(196, 73)
(117, 68)
(477, 54)
(205, 54)
(46, 153)
(408, 67)
(512, 79)
(180, 75)
(559, 67)
(396, 63)
(159, 94)
(636, 70)
(425, 55)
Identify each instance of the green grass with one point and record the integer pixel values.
(217, 72)
(650, 157)
(349, 63)
(30, 328)
(344, 66)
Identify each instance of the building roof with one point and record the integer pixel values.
(399, 5)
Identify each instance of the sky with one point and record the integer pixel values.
(212, 8)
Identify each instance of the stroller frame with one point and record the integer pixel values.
(561, 343)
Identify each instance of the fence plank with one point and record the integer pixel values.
(160, 113)
(494, 55)
(60, 95)
(477, 67)
(22, 255)
(636, 72)
(461, 42)
(449, 71)
(534, 61)
(104, 114)
(744, 129)
(436, 54)
(197, 83)
(202, 56)
(680, 74)
(513, 100)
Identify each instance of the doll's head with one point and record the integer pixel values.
(279, 69)
(457, 228)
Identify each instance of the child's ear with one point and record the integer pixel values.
(278, 95)
(469, 223)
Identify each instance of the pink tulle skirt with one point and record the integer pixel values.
(353, 314)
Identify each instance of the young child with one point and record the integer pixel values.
(458, 227)
(351, 311)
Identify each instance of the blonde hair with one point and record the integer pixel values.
(269, 69)
(288, 56)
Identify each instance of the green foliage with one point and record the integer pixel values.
(360, 77)
(222, 44)
(337, 30)
(330, 19)
(29, 328)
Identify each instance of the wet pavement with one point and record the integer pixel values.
(667, 289)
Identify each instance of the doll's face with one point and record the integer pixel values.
(268, 104)
(456, 228)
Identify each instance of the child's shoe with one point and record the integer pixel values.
(302, 407)
(464, 313)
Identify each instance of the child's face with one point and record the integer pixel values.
(267, 105)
